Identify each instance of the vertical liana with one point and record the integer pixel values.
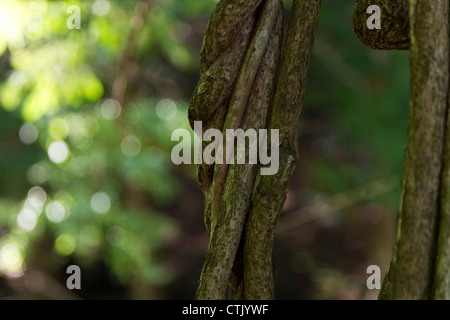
(267, 28)
(412, 270)
(270, 193)
(259, 108)
(442, 276)
(420, 267)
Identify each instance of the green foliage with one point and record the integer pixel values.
(102, 170)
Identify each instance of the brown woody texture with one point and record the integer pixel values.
(420, 268)
(249, 81)
(394, 32)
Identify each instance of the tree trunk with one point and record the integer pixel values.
(240, 76)
(415, 256)
(420, 265)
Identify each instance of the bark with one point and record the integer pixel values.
(212, 96)
(257, 116)
(229, 195)
(239, 63)
(419, 269)
(394, 32)
(269, 26)
(270, 193)
(442, 277)
(228, 18)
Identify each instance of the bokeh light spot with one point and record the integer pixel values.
(65, 245)
(58, 152)
(58, 129)
(166, 109)
(115, 236)
(27, 219)
(10, 254)
(100, 203)
(131, 146)
(101, 7)
(111, 109)
(55, 212)
(37, 197)
(28, 134)
(37, 174)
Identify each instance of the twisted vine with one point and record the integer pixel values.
(394, 32)
(249, 81)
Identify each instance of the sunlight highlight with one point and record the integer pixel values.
(58, 152)
(100, 203)
(55, 212)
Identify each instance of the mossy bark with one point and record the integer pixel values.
(420, 266)
(240, 73)
(270, 193)
(394, 32)
(230, 192)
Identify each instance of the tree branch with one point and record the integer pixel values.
(120, 84)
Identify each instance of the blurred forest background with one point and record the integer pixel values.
(86, 178)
